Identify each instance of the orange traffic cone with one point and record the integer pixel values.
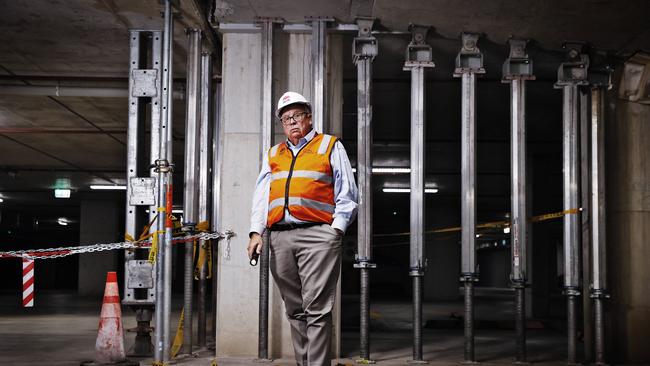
(109, 347)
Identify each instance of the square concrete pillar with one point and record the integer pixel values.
(238, 282)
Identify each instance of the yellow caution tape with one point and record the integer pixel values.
(213, 363)
(203, 226)
(555, 215)
(128, 237)
(494, 224)
(200, 263)
(178, 339)
(154, 245)
(158, 364)
(161, 209)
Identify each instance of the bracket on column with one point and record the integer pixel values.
(470, 58)
(518, 65)
(469, 277)
(363, 264)
(418, 53)
(600, 69)
(574, 69)
(364, 45)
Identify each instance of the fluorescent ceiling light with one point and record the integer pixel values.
(62, 221)
(178, 211)
(506, 230)
(61, 193)
(108, 187)
(2, 200)
(408, 190)
(384, 170)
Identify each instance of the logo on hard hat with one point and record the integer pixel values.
(286, 98)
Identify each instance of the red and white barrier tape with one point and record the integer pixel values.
(28, 283)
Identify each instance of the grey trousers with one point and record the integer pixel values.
(305, 264)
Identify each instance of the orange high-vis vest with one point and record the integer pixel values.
(303, 184)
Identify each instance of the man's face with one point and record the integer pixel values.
(292, 129)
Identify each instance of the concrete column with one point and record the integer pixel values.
(99, 224)
(628, 230)
(238, 282)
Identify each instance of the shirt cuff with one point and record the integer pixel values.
(256, 228)
(340, 223)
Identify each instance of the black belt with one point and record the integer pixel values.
(285, 227)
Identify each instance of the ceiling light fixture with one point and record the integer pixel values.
(384, 170)
(506, 230)
(62, 221)
(107, 187)
(2, 200)
(61, 193)
(407, 190)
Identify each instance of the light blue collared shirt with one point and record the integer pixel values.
(345, 189)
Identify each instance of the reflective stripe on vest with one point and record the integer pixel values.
(302, 184)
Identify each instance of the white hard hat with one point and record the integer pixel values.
(289, 98)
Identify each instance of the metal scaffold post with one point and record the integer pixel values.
(418, 59)
(571, 74)
(144, 92)
(215, 207)
(163, 167)
(191, 177)
(268, 28)
(517, 69)
(469, 63)
(205, 154)
(600, 80)
(319, 72)
(364, 50)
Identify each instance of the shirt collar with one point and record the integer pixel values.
(303, 140)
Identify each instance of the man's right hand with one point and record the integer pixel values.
(254, 245)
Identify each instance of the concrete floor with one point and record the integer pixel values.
(62, 327)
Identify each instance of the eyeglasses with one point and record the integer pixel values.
(297, 117)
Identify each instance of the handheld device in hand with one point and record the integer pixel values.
(254, 259)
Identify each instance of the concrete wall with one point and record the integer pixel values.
(98, 224)
(628, 230)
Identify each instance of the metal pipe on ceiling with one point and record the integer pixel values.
(419, 58)
(469, 64)
(72, 91)
(364, 50)
(517, 69)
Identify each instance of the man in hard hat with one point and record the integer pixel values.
(306, 196)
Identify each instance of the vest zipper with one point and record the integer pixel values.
(286, 187)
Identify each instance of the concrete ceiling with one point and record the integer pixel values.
(608, 24)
